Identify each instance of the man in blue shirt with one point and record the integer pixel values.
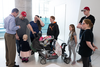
(10, 26)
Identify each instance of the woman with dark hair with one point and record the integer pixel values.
(37, 25)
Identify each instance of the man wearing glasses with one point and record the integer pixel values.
(87, 14)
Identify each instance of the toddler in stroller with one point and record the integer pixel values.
(44, 43)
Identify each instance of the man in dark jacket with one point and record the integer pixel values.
(53, 29)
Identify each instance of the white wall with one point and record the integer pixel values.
(95, 10)
(72, 12)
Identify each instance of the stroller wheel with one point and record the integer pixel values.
(67, 60)
(43, 61)
(64, 56)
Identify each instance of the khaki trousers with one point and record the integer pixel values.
(10, 49)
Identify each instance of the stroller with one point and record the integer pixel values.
(43, 48)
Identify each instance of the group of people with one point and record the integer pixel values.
(86, 45)
(16, 34)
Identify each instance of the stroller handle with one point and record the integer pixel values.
(36, 35)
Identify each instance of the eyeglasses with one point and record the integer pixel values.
(83, 23)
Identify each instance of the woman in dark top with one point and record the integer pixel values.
(53, 29)
(37, 25)
(86, 43)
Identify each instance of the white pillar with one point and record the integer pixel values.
(25, 5)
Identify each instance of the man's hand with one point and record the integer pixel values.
(95, 47)
(17, 37)
(79, 26)
(19, 27)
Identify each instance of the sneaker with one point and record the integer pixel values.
(51, 52)
(79, 60)
(90, 65)
(54, 54)
(39, 55)
(73, 62)
(16, 66)
(26, 60)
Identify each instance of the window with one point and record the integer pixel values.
(5, 9)
(41, 8)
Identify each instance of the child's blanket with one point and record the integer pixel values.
(44, 38)
(58, 49)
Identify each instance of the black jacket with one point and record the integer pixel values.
(53, 30)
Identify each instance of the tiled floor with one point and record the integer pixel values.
(34, 60)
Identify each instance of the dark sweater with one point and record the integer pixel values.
(25, 46)
(53, 30)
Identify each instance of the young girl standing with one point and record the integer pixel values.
(72, 41)
(86, 43)
(25, 50)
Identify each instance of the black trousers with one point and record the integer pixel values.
(85, 61)
(31, 39)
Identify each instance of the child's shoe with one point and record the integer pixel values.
(26, 60)
(73, 62)
(23, 59)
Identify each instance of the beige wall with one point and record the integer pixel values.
(95, 10)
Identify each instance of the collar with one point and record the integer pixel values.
(53, 22)
(11, 15)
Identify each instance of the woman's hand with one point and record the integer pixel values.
(33, 32)
(37, 18)
(42, 24)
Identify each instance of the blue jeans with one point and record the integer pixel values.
(18, 44)
(90, 59)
